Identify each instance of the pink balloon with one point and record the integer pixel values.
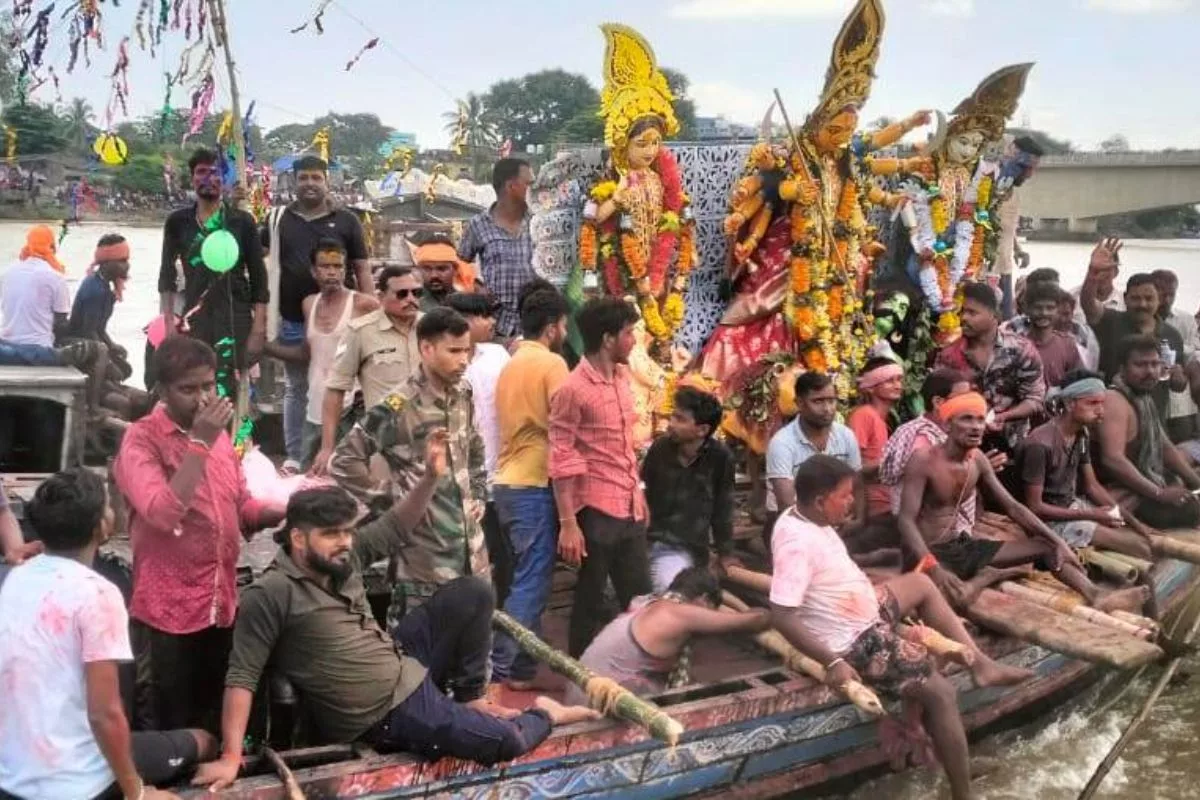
(156, 331)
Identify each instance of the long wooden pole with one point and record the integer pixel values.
(1109, 760)
(618, 701)
(235, 106)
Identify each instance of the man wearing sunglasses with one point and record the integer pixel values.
(377, 352)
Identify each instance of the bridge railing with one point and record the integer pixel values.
(1178, 158)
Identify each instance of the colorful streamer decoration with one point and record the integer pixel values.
(58, 98)
(40, 34)
(402, 154)
(458, 141)
(505, 149)
(10, 144)
(439, 170)
(315, 19)
(111, 149)
(320, 143)
(370, 45)
(120, 83)
(202, 99)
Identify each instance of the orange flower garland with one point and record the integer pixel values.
(633, 256)
(587, 246)
(975, 260)
(687, 250)
(835, 304)
(801, 272)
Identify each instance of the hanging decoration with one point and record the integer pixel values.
(247, 124)
(202, 99)
(315, 19)
(111, 149)
(40, 34)
(164, 113)
(439, 170)
(89, 12)
(505, 149)
(10, 144)
(403, 156)
(119, 77)
(370, 45)
(320, 143)
(458, 140)
(169, 173)
(58, 98)
(22, 8)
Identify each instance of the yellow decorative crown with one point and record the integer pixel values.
(992, 103)
(633, 87)
(852, 65)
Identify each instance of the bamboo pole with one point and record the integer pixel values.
(773, 641)
(1140, 564)
(616, 700)
(239, 147)
(1171, 547)
(932, 640)
(1111, 567)
(1137, 619)
(1106, 765)
(1072, 607)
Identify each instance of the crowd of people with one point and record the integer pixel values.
(445, 433)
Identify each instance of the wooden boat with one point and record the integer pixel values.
(754, 730)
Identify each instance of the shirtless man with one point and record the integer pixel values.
(936, 523)
(1138, 461)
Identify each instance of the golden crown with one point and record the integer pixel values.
(852, 65)
(992, 103)
(633, 87)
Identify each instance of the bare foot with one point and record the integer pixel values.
(965, 656)
(565, 715)
(486, 706)
(1131, 599)
(987, 672)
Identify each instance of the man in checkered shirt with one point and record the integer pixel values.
(499, 238)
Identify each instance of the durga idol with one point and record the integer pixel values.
(637, 231)
(801, 244)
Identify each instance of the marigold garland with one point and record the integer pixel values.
(984, 196)
(587, 246)
(835, 304)
(632, 254)
(975, 261)
(801, 271)
(940, 214)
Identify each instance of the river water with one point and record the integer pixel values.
(1050, 760)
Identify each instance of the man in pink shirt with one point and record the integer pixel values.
(601, 509)
(880, 385)
(188, 511)
(825, 605)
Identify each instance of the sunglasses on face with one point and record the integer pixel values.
(401, 294)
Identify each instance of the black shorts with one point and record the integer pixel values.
(162, 758)
(965, 555)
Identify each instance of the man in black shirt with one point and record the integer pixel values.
(290, 237)
(1139, 317)
(227, 311)
(689, 488)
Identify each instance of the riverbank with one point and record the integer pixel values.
(53, 214)
(1085, 238)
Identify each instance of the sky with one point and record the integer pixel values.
(1103, 66)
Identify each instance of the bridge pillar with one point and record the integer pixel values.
(1083, 225)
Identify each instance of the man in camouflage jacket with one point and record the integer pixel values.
(381, 460)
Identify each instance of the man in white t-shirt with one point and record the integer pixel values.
(825, 605)
(63, 631)
(483, 373)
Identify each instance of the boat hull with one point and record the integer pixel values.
(762, 735)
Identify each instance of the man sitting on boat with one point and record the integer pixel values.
(641, 648)
(1143, 469)
(1057, 480)
(937, 520)
(826, 607)
(63, 632)
(308, 617)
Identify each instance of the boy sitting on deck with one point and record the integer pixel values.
(827, 608)
(1057, 479)
(937, 520)
(308, 617)
(640, 648)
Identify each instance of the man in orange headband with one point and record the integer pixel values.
(442, 271)
(937, 520)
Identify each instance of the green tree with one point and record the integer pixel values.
(531, 110)
(38, 128)
(586, 127)
(1117, 143)
(9, 65)
(142, 173)
(684, 105)
(480, 139)
(77, 120)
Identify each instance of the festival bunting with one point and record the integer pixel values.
(368, 46)
(40, 34)
(315, 19)
(202, 99)
(119, 77)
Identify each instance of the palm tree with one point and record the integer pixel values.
(78, 123)
(472, 124)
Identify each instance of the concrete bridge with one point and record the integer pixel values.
(1070, 191)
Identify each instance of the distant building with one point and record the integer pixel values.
(710, 128)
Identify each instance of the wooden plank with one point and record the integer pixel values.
(1067, 635)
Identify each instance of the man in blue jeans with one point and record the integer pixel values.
(521, 489)
(290, 237)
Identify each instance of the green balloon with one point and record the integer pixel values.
(220, 251)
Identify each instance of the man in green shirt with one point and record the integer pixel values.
(308, 617)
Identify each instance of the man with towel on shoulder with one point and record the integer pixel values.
(937, 520)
